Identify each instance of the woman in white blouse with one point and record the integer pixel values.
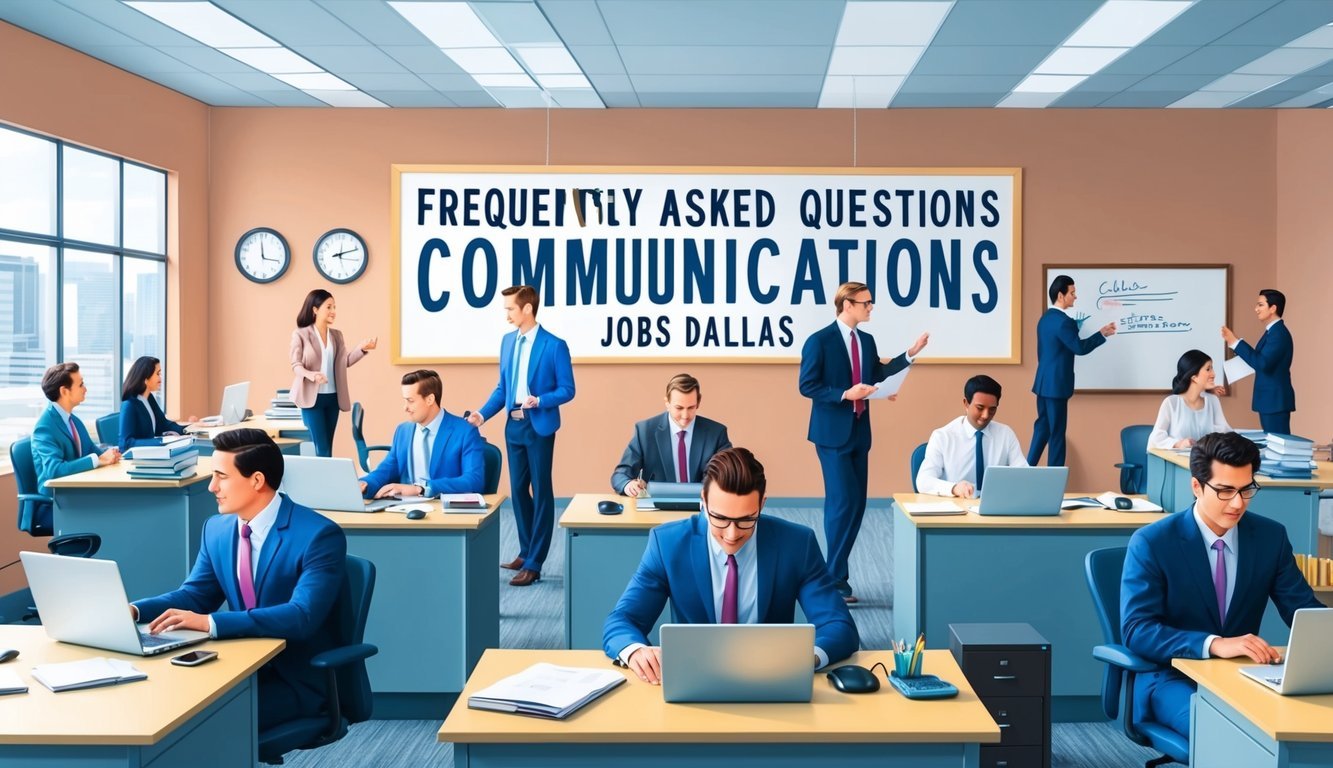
(320, 360)
(1192, 410)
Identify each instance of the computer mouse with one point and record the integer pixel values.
(608, 507)
(851, 678)
(8, 655)
(416, 514)
(1123, 503)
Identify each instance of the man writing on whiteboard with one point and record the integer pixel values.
(1274, 398)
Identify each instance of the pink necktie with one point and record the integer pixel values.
(681, 459)
(858, 406)
(729, 593)
(244, 572)
(74, 433)
(1220, 579)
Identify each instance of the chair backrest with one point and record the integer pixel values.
(1102, 567)
(491, 480)
(1134, 449)
(359, 437)
(25, 477)
(918, 456)
(351, 610)
(108, 429)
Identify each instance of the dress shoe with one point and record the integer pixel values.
(513, 565)
(850, 599)
(525, 578)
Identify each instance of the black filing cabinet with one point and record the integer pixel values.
(1009, 666)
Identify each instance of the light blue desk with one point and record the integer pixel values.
(436, 607)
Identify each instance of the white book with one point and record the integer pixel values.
(11, 683)
(86, 673)
(546, 690)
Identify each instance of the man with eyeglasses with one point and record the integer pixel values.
(1196, 583)
(728, 565)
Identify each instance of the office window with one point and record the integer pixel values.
(88, 325)
(91, 197)
(145, 209)
(143, 313)
(27, 183)
(27, 335)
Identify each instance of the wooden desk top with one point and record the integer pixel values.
(141, 713)
(435, 519)
(1323, 474)
(1068, 518)
(582, 513)
(1283, 718)
(117, 476)
(635, 712)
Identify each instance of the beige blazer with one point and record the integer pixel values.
(308, 361)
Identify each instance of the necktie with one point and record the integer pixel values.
(244, 573)
(858, 406)
(74, 433)
(682, 460)
(729, 593)
(1220, 579)
(423, 471)
(518, 355)
(981, 459)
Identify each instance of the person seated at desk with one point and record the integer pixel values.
(1213, 548)
(727, 565)
(141, 418)
(1191, 410)
(673, 447)
(457, 462)
(277, 566)
(61, 444)
(956, 450)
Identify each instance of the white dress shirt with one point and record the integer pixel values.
(326, 363)
(847, 345)
(951, 455)
(260, 525)
(420, 471)
(675, 451)
(1176, 421)
(151, 418)
(521, 383)
(1230, 538)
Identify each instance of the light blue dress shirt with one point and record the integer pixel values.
(420, 471)
(521, 380)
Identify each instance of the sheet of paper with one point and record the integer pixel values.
(1140, 505)
(891, 385)
(1234, 370)
(550, 685)
(932, 508)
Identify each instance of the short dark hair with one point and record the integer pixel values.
(313, 301)
(983, 384)
(736, 471)
(255, 452)
(1230, 448)
(135, 380)
(427, 381)
(524, 295)
(684, 384)
(1187, 367)
(1275, 298)
(57, 376)
(1061, 284)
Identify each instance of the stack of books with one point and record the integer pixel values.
(282, 407)
(168, 458)
(1317, 570)
(1287, 457)
(1256, 436)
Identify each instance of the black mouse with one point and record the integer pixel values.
(416, 514)
(1123, 503)
(608, 507)
(851, 678)
(9, 655)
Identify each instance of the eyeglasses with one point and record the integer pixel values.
(742, 523)
(870, 303)
(1228, 493)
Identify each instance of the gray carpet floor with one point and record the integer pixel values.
(531, 618)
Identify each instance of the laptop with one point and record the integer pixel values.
(737, 662)
(682, 497)
(327, 483)
(1308, 668)
(1025, 491)
(82, 601)
(234, 398)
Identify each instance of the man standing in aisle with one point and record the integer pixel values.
(536, 378)
(1274, 398)
(839, 369)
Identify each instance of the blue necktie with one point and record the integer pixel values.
(981, 460)
(513, 380)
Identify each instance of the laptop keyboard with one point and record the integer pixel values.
(153, 641)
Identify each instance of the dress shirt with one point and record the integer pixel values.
(521, 380)
(1230, 539)
(151, 418)
(1239, 339)
(675, 452)
(326, 363)
(420, 473)
(1177, 421)
(260, 525)
(65, 416)
(951, 455)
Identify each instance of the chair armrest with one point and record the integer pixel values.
(1120, 656)
(1128, 465)
(37, 497)
(341, 657)
(385, 448)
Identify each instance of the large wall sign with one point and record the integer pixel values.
(704, 264)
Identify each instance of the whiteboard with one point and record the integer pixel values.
(1159, 312)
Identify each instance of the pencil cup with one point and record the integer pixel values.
(902, 663)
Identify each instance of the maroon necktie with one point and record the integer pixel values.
(729, 593)
(681, 459)
(74, 433)
(858, 406)
(244, 571)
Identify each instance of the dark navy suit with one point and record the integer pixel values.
(1274, 398)
(457, 459)
(136, 428)
(652, 450)
(54, 455)
(1057, 345)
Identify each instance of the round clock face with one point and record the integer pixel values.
(341, 255)
(262, 255)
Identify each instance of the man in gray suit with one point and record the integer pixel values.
(673, 447)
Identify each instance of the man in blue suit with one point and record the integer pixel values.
(840, 367)
(1057, 345)
(1274, 398)
(61, 444)
(433, 452)
(727, 565)
(536, 378)
(1196, 583)
(673, 447)
(277, 565)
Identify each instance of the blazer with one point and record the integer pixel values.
(1057, 345)
(300, 574)
(826, 372)
(53, 452)
(675, 565)
(1271, 361)
(137, 428)
(457, 459)
(652, 448)
(308, 362)
(550, 378)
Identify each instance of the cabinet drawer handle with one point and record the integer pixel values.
(1003, 725)
(1001, 763)
(1004, 677)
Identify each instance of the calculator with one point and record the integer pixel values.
(923, 687)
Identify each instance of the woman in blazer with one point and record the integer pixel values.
(320, 360)
(141, 418)
(1192, 410)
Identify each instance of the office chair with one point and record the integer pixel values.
(491, 483)
(1102, 568)
(108, 429)
(362, 450)
(33, 503)
(918, 456)
(1134, 449)
(348, 695)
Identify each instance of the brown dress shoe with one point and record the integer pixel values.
(513, 565)
(850, 599)
(525, 578)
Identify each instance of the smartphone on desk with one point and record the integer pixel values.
(194, 658)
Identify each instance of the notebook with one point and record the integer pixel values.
(11, 683)
(546, 690)
(86, 673)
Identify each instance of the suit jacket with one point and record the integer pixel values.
(136, 427)
(308, 361)
(550, 378)
(652, 448)
(675, 565)
(826, 372)
(300, 574)
(1271, 361)
(53, 451)
(457, 459)
(1057, 345)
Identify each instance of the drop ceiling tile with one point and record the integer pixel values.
(725, 60)
(722, 22)
(206, 59)
(350, 58)
(422, 59)
(1215, 60)
(946, 84)
(375, 21)
(1013, 22)
(141, 60)
(293, 22)
(725, 84)
(61, 24)
(1203, 23)
(1281, 24)
(1148, 59)
(375, 81)
(981, 59)
(578, 22)
(516, 23)
(413, 99)
(289, 98)
(469, 98)
(598, 59)
(945, 100)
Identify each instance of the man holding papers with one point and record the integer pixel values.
(959, 452)
(840, 367)
(1274, 398)
(433, 452)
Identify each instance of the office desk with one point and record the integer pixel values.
(631, 725)
(1238, 723)
(601, 554)
(151, 528)
(180, 716)
(287, 433)
(970, 568)
(436, 606)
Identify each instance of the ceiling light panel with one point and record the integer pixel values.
(206, 23)
(1078, 61)
(448, 25)
(1049, 83)
(484, 61)
(275, 61)
(322, 81)
(873, 60)
(1126, 23)
(891, 23)
(878, 46)
(548, 60)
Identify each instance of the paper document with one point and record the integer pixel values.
(933, 508)
(891, 385)
(10, 682)
(86, 673)
(547, 690)
(645, 504)
(1107, 501)
(1234, 370)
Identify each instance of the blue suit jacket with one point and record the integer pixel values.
(1271, 361)
(675, 566)
(135, 426)
(53, 452)
(457, 460)
(652, 449)
(550, 378)
(300, 574)
(1057, 344)
(826, 372)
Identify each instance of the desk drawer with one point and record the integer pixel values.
(1021, 720)
(1006, 673)
(1011, 757)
